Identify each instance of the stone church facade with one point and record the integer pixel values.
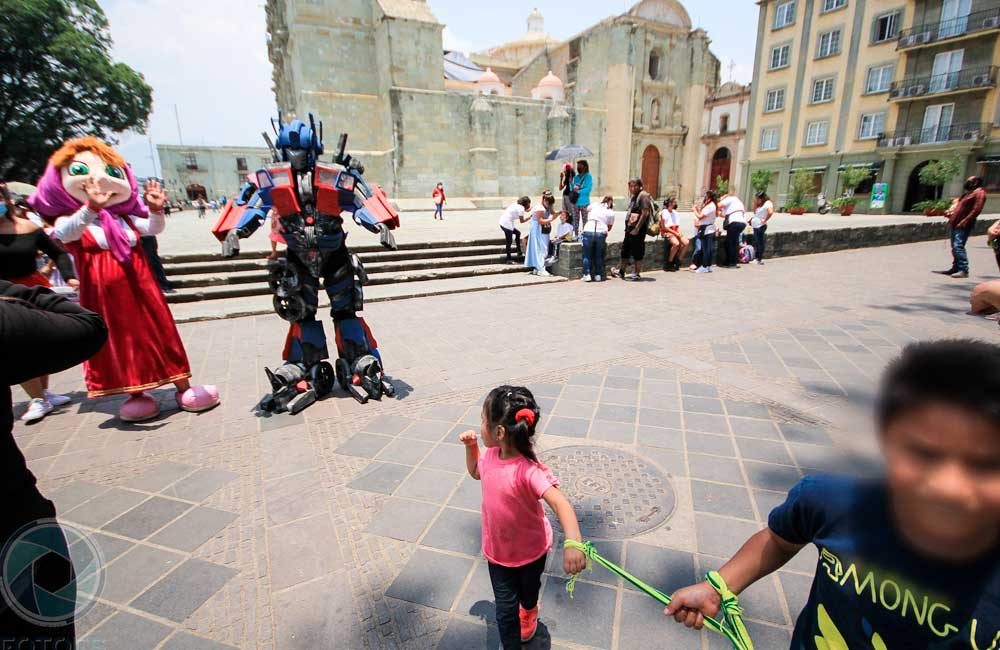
(633, 91)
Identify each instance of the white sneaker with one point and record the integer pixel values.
(598, 278)
(760, 262)
(37, 409)
(634, 277)
(693, 268)
(57, 400)
(703, 269)
(544, 274)
(587, 278)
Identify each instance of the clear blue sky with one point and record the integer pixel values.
(209, 57)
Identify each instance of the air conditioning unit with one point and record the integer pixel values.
(981, 80)
(991, 23)
(922, 37)
(900, 141)
(971, 135)
(914, 90)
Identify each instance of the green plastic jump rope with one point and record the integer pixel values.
(731, 626)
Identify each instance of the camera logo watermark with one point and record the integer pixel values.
(50, 573)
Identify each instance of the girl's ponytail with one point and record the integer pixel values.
(515, 408)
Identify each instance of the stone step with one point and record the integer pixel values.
(255, 288)
(236, 307)
(257, 273)
(419, 249)
(257, 262)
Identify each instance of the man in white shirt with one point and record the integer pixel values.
(731, 208)
(513, 215)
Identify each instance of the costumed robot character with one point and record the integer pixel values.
(90, 196)
(310, 199)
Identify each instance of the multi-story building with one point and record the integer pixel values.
(886, 84)
(723, 136)
(208, 172)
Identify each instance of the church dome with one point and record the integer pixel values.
(550, 81)
(489, 77)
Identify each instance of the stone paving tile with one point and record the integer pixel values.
(764, 450)
(728, 500)
(103, 508)
(625, 371)
(402, 519)
(585, 379)
(708, 443)
(447, 457)
(616, 413)
(427, 430)
(380, 477)
(659, 418)
(184, 590)
(477, 598)
(193, 528)
(130, 574)
(75, 493)
(760, 600)
(703, 405)
(665, 569)
(469, 494)
(94, 615)
(768, 500)
(587, 618)
(465, 635)
(431, 578)
(750, 428)
(620, 432)
(722, 536)
(582, 393)
(571, 408)
(364, 445)
(405, 451)
(429, 485)
(110, 547)
(642, 626)
(200, 485)
(294, 497)
(796, 588)
(715, 468)
(569, 427)
(769, 476)
(699, 390)
(657, 437)
(388, 425)
(125, 630)
(302, 550)
(456, 530)
(623, 383)
(794, 432)
(747, 409)
(764, 636)
(160, 476)
(146, 518)
(617, 396)
(447, 412)
(318, 614)
(185, 641)
(705, 423)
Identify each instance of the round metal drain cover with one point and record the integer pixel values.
(615, 494)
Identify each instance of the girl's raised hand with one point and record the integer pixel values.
(468, 438)
(573, 561)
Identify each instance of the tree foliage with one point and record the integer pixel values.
(721, 184)
(760, 180)
(938, 172)
(802, 184)
(58, 81)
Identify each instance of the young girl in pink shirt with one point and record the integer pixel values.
(516, 535)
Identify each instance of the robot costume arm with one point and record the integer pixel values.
(242, 217)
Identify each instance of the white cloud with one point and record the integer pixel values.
(209, 57)
(452, 42)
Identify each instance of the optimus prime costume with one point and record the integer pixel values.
(310, 198)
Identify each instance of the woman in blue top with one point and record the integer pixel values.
(538, 240)
(583, 183)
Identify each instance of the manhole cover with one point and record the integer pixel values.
(615, 494)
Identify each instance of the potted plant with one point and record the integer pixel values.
(721, 185)
(851, 178)
(936, 174)
(802, 183)
(760, 180)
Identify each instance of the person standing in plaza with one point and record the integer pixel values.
(42, 333)
(582, 184)
(21, 241)
(439, 199)
(201, 208)
(595, 239)
(569, 194)
(763, 211)
(706, 214)
(961, 221)
(537, 248)
(734, 213)
(636, 221)
(674, 242)
(513, 215)
(517, 536)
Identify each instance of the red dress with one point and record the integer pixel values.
(144, 349)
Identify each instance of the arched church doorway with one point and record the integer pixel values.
(721, 166)
(651, 170)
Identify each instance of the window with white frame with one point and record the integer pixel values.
(830, 5)
(829, 44)
(886, 27)
(872, 125)
(822, 90)
(770, 138)
(879, 78)
(784, 14)
(817, 132)
(775, 100)
(779, 56)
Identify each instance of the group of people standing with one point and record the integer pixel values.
(735, 218)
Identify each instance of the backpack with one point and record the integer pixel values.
(747, 254)
(653, 225)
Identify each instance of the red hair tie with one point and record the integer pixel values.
(527, 415)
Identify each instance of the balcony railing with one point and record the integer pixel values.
(972, 132)
(914, 87)
(980, 21)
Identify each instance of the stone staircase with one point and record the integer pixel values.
(208, 286)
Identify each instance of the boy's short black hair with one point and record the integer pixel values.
(958, 372)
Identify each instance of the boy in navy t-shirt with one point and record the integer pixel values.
(909, 561)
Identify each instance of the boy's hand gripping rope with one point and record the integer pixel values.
(731, 626)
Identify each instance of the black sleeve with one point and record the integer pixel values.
(42, 332)
(55, 252)
(800, 517)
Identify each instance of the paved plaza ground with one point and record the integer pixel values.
(677, 412)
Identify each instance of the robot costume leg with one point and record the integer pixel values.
(359, 365)
(305, 375)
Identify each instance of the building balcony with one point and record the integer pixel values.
(973, 133)
(932, 33)
(943, 84)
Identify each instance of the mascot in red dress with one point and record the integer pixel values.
(90, 195)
